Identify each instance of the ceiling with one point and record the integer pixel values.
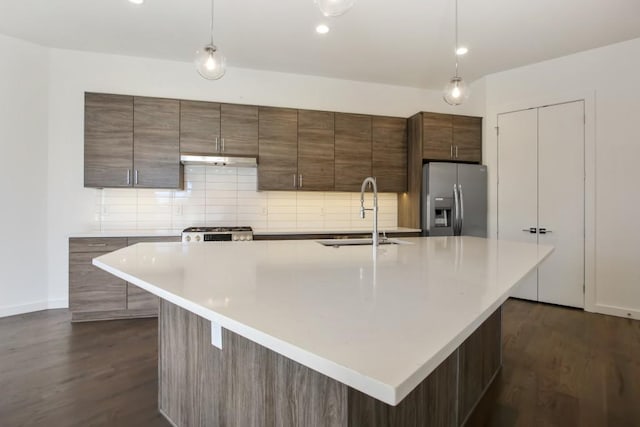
(402, 42)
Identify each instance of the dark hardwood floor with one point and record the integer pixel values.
(54, 373)
(562, 367)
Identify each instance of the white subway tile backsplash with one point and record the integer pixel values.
(223, 196)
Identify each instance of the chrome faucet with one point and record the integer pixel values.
(371, 182)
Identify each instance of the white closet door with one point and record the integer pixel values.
(517, 185)
(561, 202)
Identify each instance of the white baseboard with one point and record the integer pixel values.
(13, 310)
(58, 303)
(611, 310)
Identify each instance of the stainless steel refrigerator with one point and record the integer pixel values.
(454, 199)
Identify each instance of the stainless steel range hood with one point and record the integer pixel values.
(211, 160)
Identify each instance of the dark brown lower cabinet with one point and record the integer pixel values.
(246, 384)
(95, 294)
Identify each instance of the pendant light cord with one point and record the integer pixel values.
(456, 46)
(212, 21)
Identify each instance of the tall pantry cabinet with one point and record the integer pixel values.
(541, 174)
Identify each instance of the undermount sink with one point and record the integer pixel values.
(360, 242)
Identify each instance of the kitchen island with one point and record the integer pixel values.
(296, 333)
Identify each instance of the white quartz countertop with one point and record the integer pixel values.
(367, 230)
(378, 324)
(128, 233)
(257, 232)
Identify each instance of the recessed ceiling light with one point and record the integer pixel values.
(461, 50)
(136, 1)
(322, 29)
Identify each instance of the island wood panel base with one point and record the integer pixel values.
(246, 384)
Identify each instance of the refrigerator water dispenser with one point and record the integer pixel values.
(442, 212)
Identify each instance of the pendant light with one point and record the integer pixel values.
(456, 91)
(334, 7)
(210, 62)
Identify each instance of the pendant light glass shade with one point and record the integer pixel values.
(334, 7)
(210, 62)
(456, 91)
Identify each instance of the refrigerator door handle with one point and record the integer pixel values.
(460, 195)
(456, 219)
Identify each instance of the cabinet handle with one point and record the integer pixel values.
(531, 230)
(294, 180)
(128, 176)
(135, 179)
(217, 145)
(451, 152)
(456, 151)
(223, 145)
(97, 245)
(300, 180)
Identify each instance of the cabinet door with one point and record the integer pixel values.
(138, 298)
(437, 136)
(561, 202)
(316, 152)
(278, 149)
(92, 289)
(239, 130)
(467, 138)
(353, 151)
(156, 143)
(199, 127)
(390, 153)
(518, 187)
(108, 140)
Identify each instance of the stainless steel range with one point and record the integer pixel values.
(216, 234)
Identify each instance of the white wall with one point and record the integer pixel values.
(71, 207)
(607, 77)
(24, 75)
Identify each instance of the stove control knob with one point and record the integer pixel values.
(234, 237)
(187, 238)
(197, 238)
(249, 237)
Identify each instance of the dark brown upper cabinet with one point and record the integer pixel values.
(239, 130)
(352, 150)
(389, 142)
(156, 143)
(212, 128)
(131, 142)
(108, 140)
(451, 138)
(437, 134)
(278, 149)
(199, 127)
(467, 138)
(316, 155)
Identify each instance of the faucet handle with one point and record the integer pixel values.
(362, 209)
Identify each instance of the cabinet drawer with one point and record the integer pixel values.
(134, 240)
(96, 244)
